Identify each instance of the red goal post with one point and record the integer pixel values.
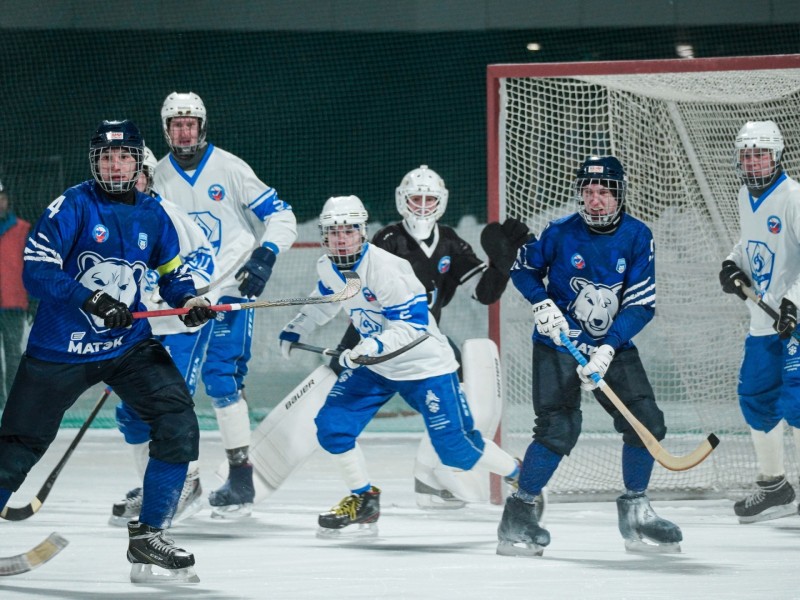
(672, 124)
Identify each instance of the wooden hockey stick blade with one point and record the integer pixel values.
(33, 558)
(352, 284)
(362, 360)
(654, 447)
(751, 295)
(10, 513)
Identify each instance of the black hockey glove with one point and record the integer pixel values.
(787, 321)
(728, 276)
(199, 313)
(501, 242)
(256, 272)
(113, 312)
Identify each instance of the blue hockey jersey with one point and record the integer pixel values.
(604, 284)
(84, 242)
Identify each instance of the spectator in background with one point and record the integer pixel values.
(13, 297)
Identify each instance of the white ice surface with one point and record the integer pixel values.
(418, 555)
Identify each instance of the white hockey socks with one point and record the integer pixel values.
(769, 452)
(353, 468)
(234, 424)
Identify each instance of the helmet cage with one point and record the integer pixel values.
(343, 214)
(188, 104)
(421, 199)
(125, 136)
(752, 140)
(608, 172)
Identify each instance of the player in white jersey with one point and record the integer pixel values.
(767, 256)
(186, 346)
(390, 312)
(248, 225)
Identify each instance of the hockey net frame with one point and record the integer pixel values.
(672, 124)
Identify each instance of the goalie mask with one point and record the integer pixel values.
(189, 104)
(343, 225)
(116, 151)
(759, 147)
(600, 189)
(421, 200)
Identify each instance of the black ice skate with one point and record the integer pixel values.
(539, 501)
(432, 498)
(234, 500)
(149, 547)
(519, 533)
(642, 529)
(772, 499)
(362, 510)
(126, 509)
(191, 500)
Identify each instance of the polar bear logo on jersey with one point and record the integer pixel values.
(117, 278)
(595, 305)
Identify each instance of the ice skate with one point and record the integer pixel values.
(234, 500)
(361, 510)
(191, 500)
(772, 500)
(155, 558)
(519, 533)
(431, 498)
(539, 502)
(126, 509)
(642, 529)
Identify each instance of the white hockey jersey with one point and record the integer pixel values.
(769, 248)
(234, 208)
(392, 308)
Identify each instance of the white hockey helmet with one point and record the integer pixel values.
(429, 195)
(758, 135)
(184, 104)
(149, 163)
(342, 214)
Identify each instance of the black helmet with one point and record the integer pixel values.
(116, 134)
(608, 172)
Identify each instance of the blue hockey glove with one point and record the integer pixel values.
(256, 272)
(113, 312)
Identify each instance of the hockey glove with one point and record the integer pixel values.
(550, 321)
(296, 328)
(367, 347)
(729, 275)
(255, 273)
(199, 313)
(787, 321)
(501, 242)
(598, 363)
(113, 312)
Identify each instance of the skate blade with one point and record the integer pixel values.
(770, 514)
(148, 573)
(646, 547)
(232, 512)
(363, 530)
(121, 521)
(505, 548)
(431, 502)
(189, 511)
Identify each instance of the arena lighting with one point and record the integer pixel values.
(533, 46)
(684, 50)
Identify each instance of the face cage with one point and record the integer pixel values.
(115, 187)
(185, 151)
(756, 182)
(618, 188)
(346, 261)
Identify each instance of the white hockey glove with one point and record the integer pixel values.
(366, 347)
(549, 320)
(301, 325)
(598, 363)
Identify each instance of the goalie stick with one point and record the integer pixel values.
(751, 295)
(352, 283)
(362, 360)
(33, 558)
(10, 513)
(654, 447)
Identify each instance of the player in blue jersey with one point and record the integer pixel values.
(84, 260)
(599, 268)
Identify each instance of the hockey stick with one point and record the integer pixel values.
(33, 558)
(658, 452)
(352, 283)
(9, 513)
(362, 360)
(751, 295)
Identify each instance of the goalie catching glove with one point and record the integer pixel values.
(199, 311)
(501, 242)
(366, 347)
(598, 363)
(550, 320)
(729, 275)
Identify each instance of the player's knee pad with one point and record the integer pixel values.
(559, 430)
(175, 437)
(131, 425)
(651, 417)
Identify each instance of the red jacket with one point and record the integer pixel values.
(12, 245)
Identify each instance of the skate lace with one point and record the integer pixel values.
(161, 543)
(755, 498)
(348, 506)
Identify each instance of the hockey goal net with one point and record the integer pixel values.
(672, 124)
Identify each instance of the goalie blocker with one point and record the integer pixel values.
(287, 437)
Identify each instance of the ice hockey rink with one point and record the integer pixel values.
(418, 554)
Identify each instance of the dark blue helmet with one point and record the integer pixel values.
(120, 168)
(609, 173)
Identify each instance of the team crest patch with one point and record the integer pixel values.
(621, 264)
(216, 192)
(444, 264)
(578, 262)
(774, 224)
(368, 295)
(100, 233)
(142, 241)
